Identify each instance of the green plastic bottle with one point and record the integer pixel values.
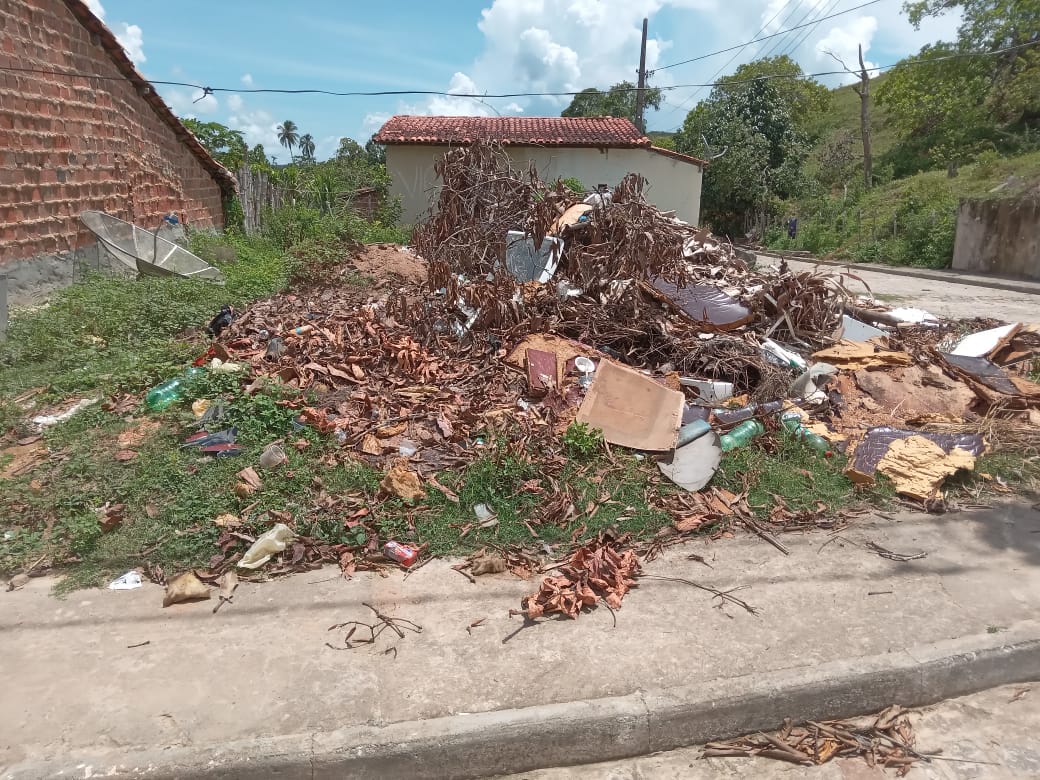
(741, 435)
(169, 392)
(792, 421)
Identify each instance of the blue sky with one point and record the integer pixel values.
(486, 47)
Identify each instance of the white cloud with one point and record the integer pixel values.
(130, 36)
(185, 102)
(843, 42)
(552, 46)
(372, 122)
(235, 102)
(258, 127)
(247, 79)
(131, 39)
(326, 147)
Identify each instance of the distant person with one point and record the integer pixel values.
(792, 228)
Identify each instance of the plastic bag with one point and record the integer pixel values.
(266, 545)
(128, 581)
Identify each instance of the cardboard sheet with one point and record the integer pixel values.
(631, 409)
(912, 391)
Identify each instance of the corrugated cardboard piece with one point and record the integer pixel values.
(631, 409)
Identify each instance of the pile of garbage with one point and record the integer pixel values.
(540, 310)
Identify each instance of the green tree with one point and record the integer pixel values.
(807, 100)
(258, 160)
(227, 146)
(288, 136)
(307, 147)
(376, 152)
(994, 25)
(939, 103)
(619, 100)
(756, 130)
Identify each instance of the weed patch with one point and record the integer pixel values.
(110, 334)
(791, 471)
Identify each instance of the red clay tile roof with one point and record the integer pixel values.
(225, 180)
(678, 156)
(599, 131)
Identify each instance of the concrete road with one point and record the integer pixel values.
(112, 670)
(943, 298)
(993, 735)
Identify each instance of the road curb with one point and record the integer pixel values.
(517, 740)
(1026, 286)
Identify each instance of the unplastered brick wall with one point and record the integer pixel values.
(72, 144)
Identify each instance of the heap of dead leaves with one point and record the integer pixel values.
(601, 570)
(885, 740)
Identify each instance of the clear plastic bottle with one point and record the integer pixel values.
(792, 421)
(169, 392)
(741, 435)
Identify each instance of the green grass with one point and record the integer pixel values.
(909, 221)
(110, 334)
(781, 466)
(171, 497)
(604, 495)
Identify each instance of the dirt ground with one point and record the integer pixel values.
(385, 260)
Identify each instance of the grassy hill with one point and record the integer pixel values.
(844, 116)
(904, 221)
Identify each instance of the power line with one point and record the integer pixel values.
(435, 93)
(786, 20)
(730, 60)
(765, 37)
(781, 40)
(799, 40)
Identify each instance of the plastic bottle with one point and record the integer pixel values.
(741, 435)
(792, 421)
(401, 553)
(163, 396)
(729, 416)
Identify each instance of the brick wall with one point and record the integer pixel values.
(366, 202)
(72, 144)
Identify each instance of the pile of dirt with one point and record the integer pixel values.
(383, 261)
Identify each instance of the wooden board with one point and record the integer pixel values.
(542, 371)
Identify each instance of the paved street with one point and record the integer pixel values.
(941, 298)
(260, 668)
(989, 736)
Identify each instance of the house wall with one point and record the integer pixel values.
(72, 144)
(673, 185)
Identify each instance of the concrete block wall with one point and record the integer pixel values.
(999, 236)
(72, 144)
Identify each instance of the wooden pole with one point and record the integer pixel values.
(641, 92)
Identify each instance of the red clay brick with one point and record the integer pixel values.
(115, 151)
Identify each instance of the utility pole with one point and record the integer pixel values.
(641, 92)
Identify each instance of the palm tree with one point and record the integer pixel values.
(287, 136)
(307, 147)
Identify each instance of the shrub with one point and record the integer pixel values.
(574, 185)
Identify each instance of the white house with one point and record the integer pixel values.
(595, 150)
